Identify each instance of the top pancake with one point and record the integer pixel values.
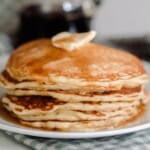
(40, 61)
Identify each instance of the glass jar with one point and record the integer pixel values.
(45, 18)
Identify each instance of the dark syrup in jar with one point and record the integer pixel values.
(36, 23)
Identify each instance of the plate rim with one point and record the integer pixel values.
(73, 135)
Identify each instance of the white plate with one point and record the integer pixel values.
(141, 124)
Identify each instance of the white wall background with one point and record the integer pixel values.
(123, 18)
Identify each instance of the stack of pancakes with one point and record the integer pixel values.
(90, 88)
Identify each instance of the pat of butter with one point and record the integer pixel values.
(71, 41)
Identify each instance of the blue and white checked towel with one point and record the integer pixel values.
(134, 141)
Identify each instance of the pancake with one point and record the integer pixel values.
(83, 126)
(88, 66)
(45, 108)
(10, 83)
(68, 83)
(74, 95)
(67, 96)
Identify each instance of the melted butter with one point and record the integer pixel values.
(72, 41)
(66, 39)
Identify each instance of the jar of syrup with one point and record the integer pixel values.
(45, 18)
